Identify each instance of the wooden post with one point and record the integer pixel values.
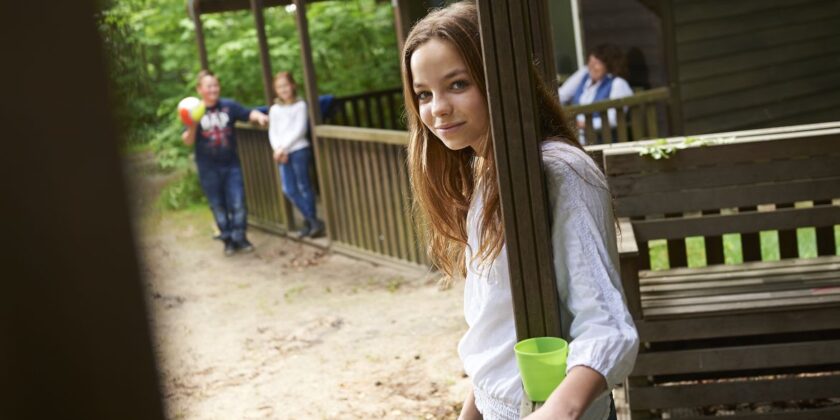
(543, 48)
(506, 32)
(406, 13)
(265, 60)
(315, 117)
(669, 38)
(194, 10)
(74, 327)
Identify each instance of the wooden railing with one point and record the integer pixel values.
(267, 206)
(363, 176)
(377, 109)
(639, 110)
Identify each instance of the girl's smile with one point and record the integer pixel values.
(450, 103)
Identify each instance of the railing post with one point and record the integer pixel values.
(265, 60)
(507, 45)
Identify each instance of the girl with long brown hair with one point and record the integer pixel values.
(453, 180)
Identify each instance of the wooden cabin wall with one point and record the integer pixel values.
(756, 63)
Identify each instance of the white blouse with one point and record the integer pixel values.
(594, 315)
(287, 126)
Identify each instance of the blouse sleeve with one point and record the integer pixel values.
(569, 87)
(603, 336)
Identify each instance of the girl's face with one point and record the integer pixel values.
(284, 89)
(208, 88)
(597, 68)
(451, 104)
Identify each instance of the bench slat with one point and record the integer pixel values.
(739, 286)
(736, 325)
(818, 414)
(742, 270)
(721, 198)
(737, 223)
(699, 395)
(738, 358)
(737, 175)
(743, 306)
(782, 146)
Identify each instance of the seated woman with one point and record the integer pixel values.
(598, 81)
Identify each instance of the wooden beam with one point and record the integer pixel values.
(669, 40)
(315, 117)
(406, 14)
(508, 52)
(194, 11)
(257, 7)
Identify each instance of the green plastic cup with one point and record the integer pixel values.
(542, 364)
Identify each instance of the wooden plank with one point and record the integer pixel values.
(752, 60)
(352, 185)
(822, 285)
(624, 160)
(725, 359)
(783, 303)
(716, 86)
(514, 127)
(417, 249)
(757, 21)
(698, 395)
(655, 95)
(621, 124)
(825, 235)
(764, 39)
(735, 325)
(402, 217)
(740, 196)
(387, 190)
(713, 244)
(755, 97)
(365, 195)
(375, 135)
(637, 122)
(589, 130)
(700, 11)
(347, 212)
(606, 130)
(651, 122)
(376, 220)
(727, 176)
(630, 283)
(737, 223)
(815, 414)
(787, 238)
(740, 271)
(329, 183)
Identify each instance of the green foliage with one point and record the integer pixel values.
(182, 193)
(153, 57)
(663, 149)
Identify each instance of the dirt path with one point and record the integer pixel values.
(289, 332)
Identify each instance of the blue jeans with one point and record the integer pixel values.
(222, 184)
(296, 183)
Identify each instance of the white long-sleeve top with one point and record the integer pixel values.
(594, 315)
(620, 89)
(287, 126)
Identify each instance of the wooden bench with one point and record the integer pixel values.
(719, 336)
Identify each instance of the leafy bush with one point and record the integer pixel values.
(182, 193)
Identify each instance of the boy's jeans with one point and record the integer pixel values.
(296, 183)
(222, 184)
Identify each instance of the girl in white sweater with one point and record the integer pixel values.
(453, 179)
(288, 122)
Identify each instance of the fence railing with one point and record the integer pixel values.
(639, 111)
(364, 177)
(267, 206)
(377, 109)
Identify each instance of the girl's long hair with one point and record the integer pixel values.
(444, 181)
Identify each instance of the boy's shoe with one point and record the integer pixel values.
(318, 229)
(305, 231)
(230, 247)
(244, 246)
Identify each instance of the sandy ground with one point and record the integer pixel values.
(289, 331)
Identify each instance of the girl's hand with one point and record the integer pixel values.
(278, 156)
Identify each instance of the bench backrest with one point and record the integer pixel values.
(770, 182)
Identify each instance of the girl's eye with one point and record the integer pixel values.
(459, 84)
(422, 96)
